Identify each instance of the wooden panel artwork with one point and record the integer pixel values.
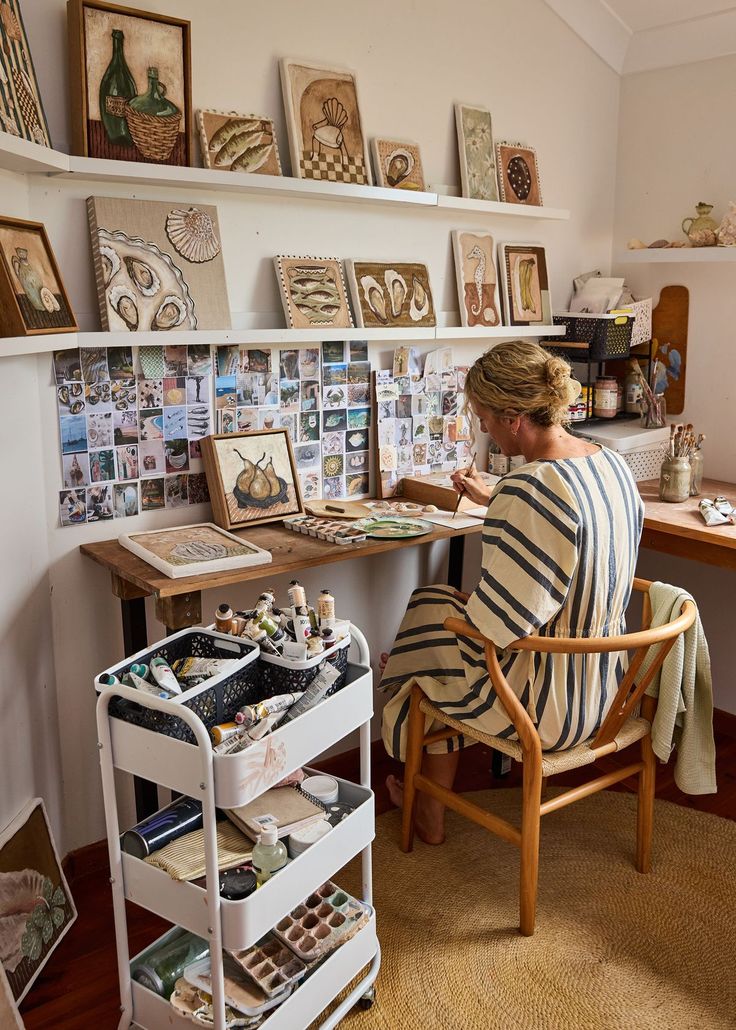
(669, 332)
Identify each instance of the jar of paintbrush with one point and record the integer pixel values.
(696, 466)
(675, 474)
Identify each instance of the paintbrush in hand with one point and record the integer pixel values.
(460, 495)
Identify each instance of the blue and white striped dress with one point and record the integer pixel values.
(560, 542)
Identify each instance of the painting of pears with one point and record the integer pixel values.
(251, 477)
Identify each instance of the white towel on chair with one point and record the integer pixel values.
(684, 689)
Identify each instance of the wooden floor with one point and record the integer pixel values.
(79, 988)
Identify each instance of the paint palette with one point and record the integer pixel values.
(322, 923)
(241, 994)
(331, 530)
(191, 1004)
(272, 965)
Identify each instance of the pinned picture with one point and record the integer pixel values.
(32, 296)
(251, 477)
(398, 164)
(475, 144)
(324, 125)
(518, 174)
(125, 500)
(313, 292)
(526, 294)
(131, 84)
(384, 294)
(72, 507)
(234, 142)
(475, 269)
(99, 503)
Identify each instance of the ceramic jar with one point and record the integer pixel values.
(674, 480)
(727, 229)
(701, 231)
(29, 278)
(605, 397)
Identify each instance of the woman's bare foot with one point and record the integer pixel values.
(431, 831)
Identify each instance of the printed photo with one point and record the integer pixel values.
(198, 389)
(101, 465)
(151, 424)
(99, 429)
(229, 362)
(98, 396)
(359, 372)
(70, 398)
(99, 503)
(359, 394)
(359, 418)
(309, 483)
(306, 456)
(333, 465)
(120, 362)
(334, 421)
(357, 462)
(358, 350)
(333, 443)
(197, 488)
(309, 362)
(309, 395)
(259, 360)
(269, 418)
(335, 397)
(404, 405)
(94, 364)
(151, 457)
(333, 351)
(332, 489)
(246, 419)
(76, 470)
(67, 366)
(175, 391)
(175, 423)
(152, 494)
(73, 429)
(289, 395)
(334, 375)
(175, 360)
(150, 393)
(357, 440)
(123, 394)
(195, 450)
(386, 409)
(226, 421)
(125, 500)
(225, 392)
(291, 423)
(357, 485)
(72, 507)
(199, 359)
(126, 426)
(449, 402)
(309, 427)
(176, 453)
(289, 364)
(127, 461)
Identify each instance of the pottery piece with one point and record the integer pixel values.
(726, 232)
(701, 231)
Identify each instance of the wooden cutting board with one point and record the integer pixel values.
(338, 509)
(669, 331)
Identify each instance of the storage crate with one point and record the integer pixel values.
(279, 675)
(214, 701)
(607, 336)
(643, 450)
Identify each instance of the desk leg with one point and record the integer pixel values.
(135, 638)
(455, 562)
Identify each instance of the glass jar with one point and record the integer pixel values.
(696, 472)
(605, 397)
(632, 394)
(674, 479)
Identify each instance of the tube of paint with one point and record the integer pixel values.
(109, 680)
(251, 714)
(297, 594)
(326, 610)
(224, 731)
(164, 676)
(315, 644)
(201, 669)
(224, 618)
(238, 626)
(140, 669)
(154, 689)
(315, 691)
(302, 625)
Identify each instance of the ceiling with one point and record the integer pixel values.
(641, 35)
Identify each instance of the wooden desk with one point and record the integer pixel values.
(679, 529)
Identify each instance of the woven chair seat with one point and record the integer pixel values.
(553, 762)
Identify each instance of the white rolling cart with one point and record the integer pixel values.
(228, 781)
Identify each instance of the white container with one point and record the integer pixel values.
(641, 449)
(324, 788)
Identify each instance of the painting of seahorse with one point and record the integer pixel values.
(475, 265)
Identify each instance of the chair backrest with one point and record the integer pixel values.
(629, 692)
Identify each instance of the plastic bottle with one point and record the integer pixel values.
(269, 855)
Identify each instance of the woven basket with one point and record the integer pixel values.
(154, 135)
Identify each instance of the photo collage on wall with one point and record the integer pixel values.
(323, 400)
(130, 436)
(422, 426)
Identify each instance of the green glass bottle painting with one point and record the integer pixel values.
(116, 89)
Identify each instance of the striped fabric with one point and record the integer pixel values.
(184, 859)
(560, 542)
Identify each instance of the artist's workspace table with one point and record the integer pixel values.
(679, 529)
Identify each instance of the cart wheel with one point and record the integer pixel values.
(366, 1002)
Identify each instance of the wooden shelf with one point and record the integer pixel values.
(676, 255)
(568, 345)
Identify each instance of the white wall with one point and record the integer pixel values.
(675, 149)
(413, 60)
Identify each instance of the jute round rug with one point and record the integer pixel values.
(612, 949)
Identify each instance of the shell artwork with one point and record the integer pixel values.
(110, 263)
(192, 232)
(726, 233)
(374, 297)
(399, 166)
(397, 290)
(419, 304)
(20, 894)
(10, 23)
(49, 301)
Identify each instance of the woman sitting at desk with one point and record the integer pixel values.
(560, 542)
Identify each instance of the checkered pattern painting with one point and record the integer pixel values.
(332, 167)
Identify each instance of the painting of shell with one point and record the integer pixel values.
(251, 477)
(475, 142)
(130, 73)
(477, 285)
(526, 294)
(238, 142)
(158, 266)
(323, 120)
(32, 296)
(21, 110)
(398, 165)
(391, 294)
(518, 174)
(313, 292)
(36, 906)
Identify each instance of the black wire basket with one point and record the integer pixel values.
(607, 336)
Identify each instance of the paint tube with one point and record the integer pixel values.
(109, 680)
(712, 516)
(724, 506)
(315, 691)
(296, 650)
(267, 645)
(326, 610)
(238, 626)
(297, 594)
(196, 670)
(154, 689)
(140, 669)
(224, 619)
(164, 676)
(302, 625)
(248, 736)
(265, 602)
(224, 731)
(269, 624)
(251, 714)
(315, 644)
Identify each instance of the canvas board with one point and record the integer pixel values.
(477, 161)
(326, 138)
(194, 550)
(21, 110)
(398, 164)
(313, 292)
(36, 905)
(477, 281)
(158, 265)
(518, 174)
(32, 295)
(525, 289)
(233, 142)
(252, 477)
(391, 294)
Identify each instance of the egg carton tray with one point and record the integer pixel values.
(333, 531)
(272, 965)
(324, 921)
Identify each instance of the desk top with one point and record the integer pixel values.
(290, 552)
(684, 520)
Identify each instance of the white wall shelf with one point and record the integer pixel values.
(497, 207)
(20, 155)
(499, 332)
(676, 255)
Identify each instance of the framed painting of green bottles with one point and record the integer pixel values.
(130, 74)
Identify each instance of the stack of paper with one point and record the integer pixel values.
(286, 808)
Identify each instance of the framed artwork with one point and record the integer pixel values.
(158, 265)
(36, 906)
(475, 143)
(252, 477)
(477, 286)
(518, 174)
(398, 165)
(9, 1014)
(313, 292)
(326, 138)
(21, 110)
(191, 550)
(525, 284)
(131, 82)
(238, 142)
(32, 296)
(387, 294)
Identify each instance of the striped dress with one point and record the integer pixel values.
(560, 541)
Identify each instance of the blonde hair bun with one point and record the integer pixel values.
(521, 378)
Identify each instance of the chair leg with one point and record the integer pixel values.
(414, 750)
(645, 807)
(530, 819)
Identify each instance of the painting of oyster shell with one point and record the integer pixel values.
(398, 164)
(313, 292)
(238, 142)
(158, 267)
(251, 477)
(391, 295)
(518, 174)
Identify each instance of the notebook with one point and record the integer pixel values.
(287, 808)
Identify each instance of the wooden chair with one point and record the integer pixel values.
(620, 728)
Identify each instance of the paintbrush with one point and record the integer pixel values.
(460, 496)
